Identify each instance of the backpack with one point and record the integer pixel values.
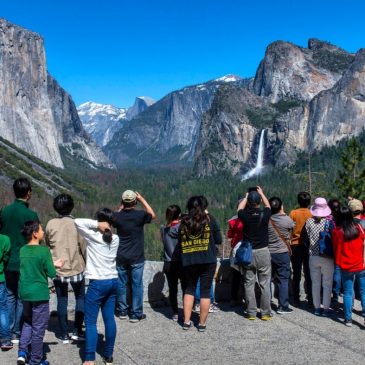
(244, 254)
(325, 240)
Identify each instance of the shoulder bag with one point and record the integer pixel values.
(285, 240)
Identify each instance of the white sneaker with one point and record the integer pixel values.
(196, 308)
(213, 308)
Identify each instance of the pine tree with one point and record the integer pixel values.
(350, 181)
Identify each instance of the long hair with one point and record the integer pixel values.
(172, 213)
(106, 215)
(335, 206)
(347, 224)
(193, 223)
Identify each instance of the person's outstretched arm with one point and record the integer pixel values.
(263, 197)
(86, 227)
(243, 203)
(148, 208)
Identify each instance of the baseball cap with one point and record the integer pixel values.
(355, 205)
(129, 196)
(254, 197)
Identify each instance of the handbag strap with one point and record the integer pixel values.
(362, 231)
(281, 237)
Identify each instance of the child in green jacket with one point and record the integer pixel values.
(36, 266)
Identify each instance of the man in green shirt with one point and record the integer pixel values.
(13, 218)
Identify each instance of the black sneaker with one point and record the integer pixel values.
(65, 339)
(78, 336)
(296, 303)
(201, 327)
(123, 315)
(135, 319)
(108, 360)
(187, 326)
(283, 310)
(6, 345)
(348, 322)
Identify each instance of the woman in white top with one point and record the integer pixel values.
(101, 252)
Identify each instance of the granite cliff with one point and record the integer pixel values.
(166, 131)
(36, 114)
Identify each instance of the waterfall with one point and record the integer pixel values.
(260, 159)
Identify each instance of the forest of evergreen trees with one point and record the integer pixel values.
(162, 187)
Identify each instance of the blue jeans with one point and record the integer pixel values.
(62, 302)
(135, 272)
(4, 315)
(197, 292)
(336, 283)
(348, 290)
(100, 294)
(15, 305)
(280, 271)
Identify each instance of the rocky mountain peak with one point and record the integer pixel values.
(290, 71)
(353, 81)
(141, 103)
(36, 113)
(315, 44)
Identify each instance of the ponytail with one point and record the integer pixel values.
(106, 215)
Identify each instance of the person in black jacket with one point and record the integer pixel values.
(198, 236)
(172, 256)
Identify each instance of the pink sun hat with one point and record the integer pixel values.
(320, 208)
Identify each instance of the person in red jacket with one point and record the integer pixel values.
(348, 244)
(235, 234)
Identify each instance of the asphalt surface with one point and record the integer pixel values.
(296, 338)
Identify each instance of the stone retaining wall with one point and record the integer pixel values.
(156, 289)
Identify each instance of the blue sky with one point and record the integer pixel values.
(110, 51)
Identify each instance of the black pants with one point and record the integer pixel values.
(235, 283)
(299, 259)
(173, 271)
(206, 274)
(62, 302)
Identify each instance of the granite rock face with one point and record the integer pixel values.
(321, 107)
(167, 130)
(36, 114)
(26, 118)
(289, 71)
(171, 123)
(141, 103)
(339, 112)
(227, 138)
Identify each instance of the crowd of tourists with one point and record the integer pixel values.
(270, 251)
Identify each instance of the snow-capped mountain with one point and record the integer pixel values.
(102, 121)
(228, 78)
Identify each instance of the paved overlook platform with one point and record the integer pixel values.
(297, 338)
